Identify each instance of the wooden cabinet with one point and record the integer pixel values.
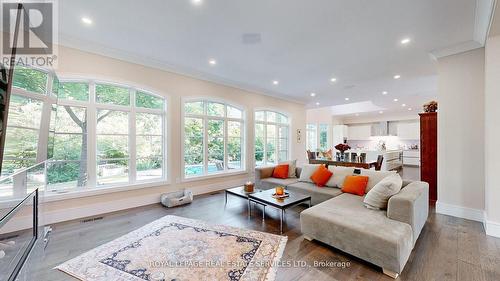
(428, 152)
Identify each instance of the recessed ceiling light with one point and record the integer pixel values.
(403, 105)
(381, 112)
(317, 103)
(357, 114)
(395, 99)
(196, 2)
(397, 76)
(384, 93)
(333, 79)
(409, 108)
(313, 94)
(86, 20)
(405, 41)
(276, 82)
(212, 61)
(346, 99)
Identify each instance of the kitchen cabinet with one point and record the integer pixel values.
(408, 130)
(359, 132)
(411, 158)
(340, 133)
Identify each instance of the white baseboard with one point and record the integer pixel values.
(459, 211)
(492, 228)
(90, 210)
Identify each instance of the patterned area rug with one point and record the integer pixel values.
(175, 248)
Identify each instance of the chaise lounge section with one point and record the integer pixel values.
(382, 237)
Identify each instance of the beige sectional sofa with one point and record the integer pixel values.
(382, 237)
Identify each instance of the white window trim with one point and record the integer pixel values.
(265, 123)
(226, 172)
(48, 100)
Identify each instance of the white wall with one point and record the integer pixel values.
(492, 136)
(461, 135)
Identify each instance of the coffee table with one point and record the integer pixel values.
(240, 192)
(266, 198)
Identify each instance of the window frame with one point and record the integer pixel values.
(205, 118)
(288, 125)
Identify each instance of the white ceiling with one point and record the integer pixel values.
(302, 43)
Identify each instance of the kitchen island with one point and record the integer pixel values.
(393, 159)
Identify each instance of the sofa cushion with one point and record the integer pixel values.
(318, 194)
(321, 176)
(307, 172)
(379, 195)
(375, 177)
(292, 165)
(344, 223)
(270, 183)
(339, 174)
(281, 171)
(355, 185)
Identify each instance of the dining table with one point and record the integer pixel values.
(363, 164)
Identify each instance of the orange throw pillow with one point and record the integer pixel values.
(355, 185)
(281, 171)
(321, 176)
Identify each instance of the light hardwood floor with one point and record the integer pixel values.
(448, 248)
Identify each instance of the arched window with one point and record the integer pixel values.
(213, 138)
(272, 143)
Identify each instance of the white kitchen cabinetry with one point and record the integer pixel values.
(340, 133)
(360, 132)
(409, 130)
(411, 157)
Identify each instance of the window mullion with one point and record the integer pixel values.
(91, 139)
(132, 148)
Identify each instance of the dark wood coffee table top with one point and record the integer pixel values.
(240, 191)
(267, 198)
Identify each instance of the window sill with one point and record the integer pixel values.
(51, 196)
(215, 175)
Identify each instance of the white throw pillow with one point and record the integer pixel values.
(307, 171)
(292, 165)
(378, 196)
(375, 177)
(339, 174)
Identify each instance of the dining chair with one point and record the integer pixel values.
(353, 156)
(378, 165)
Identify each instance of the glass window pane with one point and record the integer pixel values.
(193, 147)
(30, 79)
(234, 153)
(148, 124)
(112, 171)
(148, 146)
(259, 115)
(21, 144)
(271, 131)
(112, 94)
(66, 175)
(283, 155)
(24, 112)
(149, 168)
(282, 119)
(73, 91)
(234, 129)
(271, 150)
(195, 107)
(215, 109)
(148, 101)
(283, 132)
(112, 147)
(69, 147)
(283, 143)
(70, 119)
(259, 144)
(323, 137)
(112, 122)
(215, 136)
(270, 116)
(233, 112)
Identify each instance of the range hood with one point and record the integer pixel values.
(383, 128)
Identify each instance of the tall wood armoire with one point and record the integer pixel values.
(428, 152)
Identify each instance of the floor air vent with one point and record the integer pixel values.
(92, 219)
